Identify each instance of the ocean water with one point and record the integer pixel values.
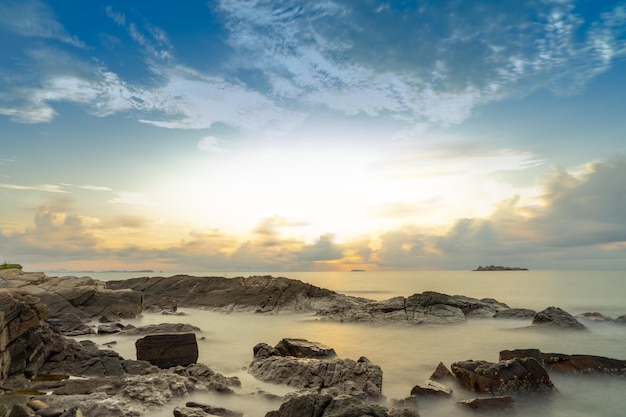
(409, 354)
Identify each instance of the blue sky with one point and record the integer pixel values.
(291, 135)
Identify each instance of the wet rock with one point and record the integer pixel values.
(168, 350)
(161, 328)
(504, 377)
(50, 412)
(73, 412)
(214, 381)
(109, 329)
(36, 404)
(556, 318)
(515, 314)
(335, 376)
(216, 411)
(499, 403)
(522, 353)
(587, 364)
(302, 348)
(441, 372)
(263, 350)
(315, 405)
(431, 388)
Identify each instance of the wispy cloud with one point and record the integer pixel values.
(35, 19)
(125, 197)
(50, 188)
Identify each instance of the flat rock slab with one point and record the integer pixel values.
(503, 402)
(168, 350)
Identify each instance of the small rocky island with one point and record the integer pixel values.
(499, 268)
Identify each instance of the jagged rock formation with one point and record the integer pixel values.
(260, 294)
(504, 377)
(428, 307)
(72, 300)
(168, 350)
(334, 376)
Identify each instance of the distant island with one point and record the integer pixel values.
(358, 270)
(499, 268)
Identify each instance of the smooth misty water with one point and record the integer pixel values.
(408, 355)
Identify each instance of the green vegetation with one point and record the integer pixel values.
(6, 265)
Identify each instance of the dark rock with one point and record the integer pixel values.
(169, 328)
(168, 350)
(216, 411)
(73, 412)
(312, 405)
(514, 375)
(441, 372)
(431, 388)
(302, 348)
(516, 314)
(315, 405)
(3, 410)
(108, 329)
(213, 380)
(50, 412)
(69, 324)
(522, 353)
(261, 294)
(263, 350)
(554, 317)
(587, 364)
(21, 410)
(500, 403)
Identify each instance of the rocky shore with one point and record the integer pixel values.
(45, 372)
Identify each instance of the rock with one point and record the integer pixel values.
(263, 350)
(261, 294)
(504, 377)
(426, 308)
(522, 353)
(21, 410)
(73, 412)
(516, 314)
(161, 328)
(335, 376)
(302, 348)
(430, 387)
(3, 410)
(36, 404)
(214, 381)
(441, 372)
(500, 403)
(312, 405)
(168, 350)
(587, 364)
(556, 318)
(69, 324)
(315, 405)
(216, 411)
(108, 329)
(50, 412)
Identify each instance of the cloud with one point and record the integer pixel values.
(35, 19)
(125, 197)
(50, 188)
(211, 144)
(322, 250)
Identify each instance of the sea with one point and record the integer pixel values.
(409, 354)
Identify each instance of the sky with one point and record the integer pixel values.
(290, 135)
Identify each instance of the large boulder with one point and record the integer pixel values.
(431, 388)
(556, 318)
(327, 374)
(23, 338)
(515, 314)
(168, 350)
(504, 377)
